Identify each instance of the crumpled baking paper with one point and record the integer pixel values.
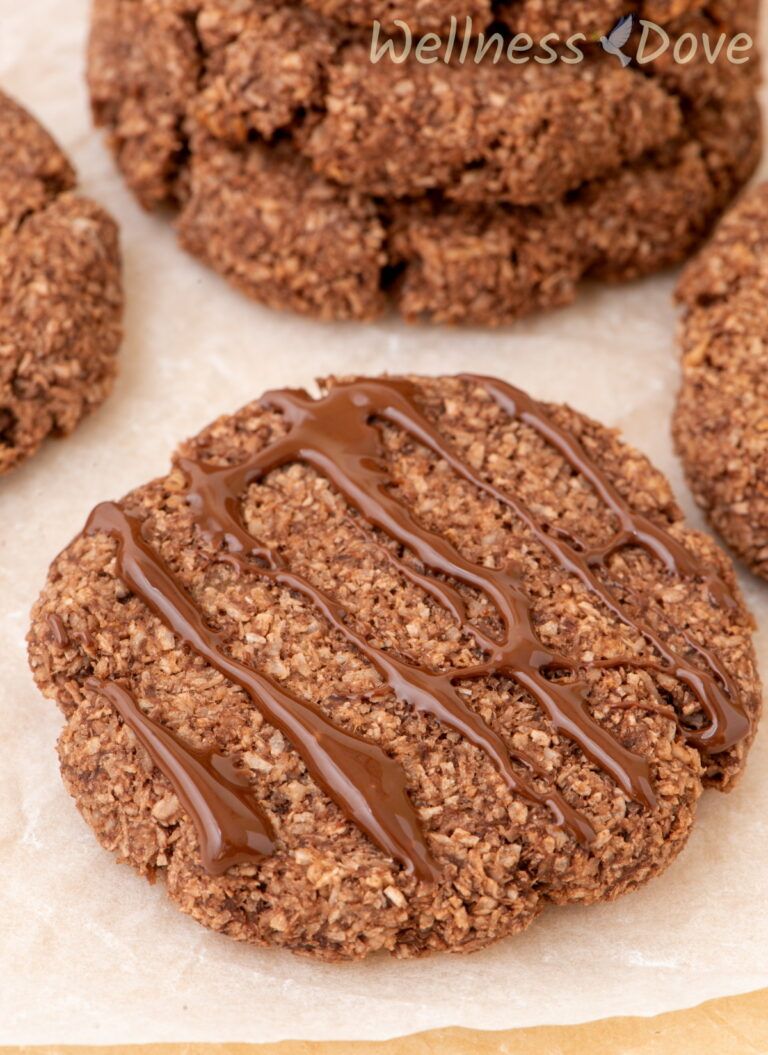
(89, 952)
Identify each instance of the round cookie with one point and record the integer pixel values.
(721, 419)
(60, 291)
(395, 667)
(315, 179)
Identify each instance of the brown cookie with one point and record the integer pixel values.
(721, 418)
(395, 667)
(60, 291)
(318, 180)
(398, 131)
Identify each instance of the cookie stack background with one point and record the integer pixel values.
(316, 180)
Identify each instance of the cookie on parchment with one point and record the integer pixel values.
(395, 667)
(721, 418)
(60, 291)
(315, 179)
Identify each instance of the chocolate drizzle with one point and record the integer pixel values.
(358, 776)
(337, 435)
(230, 824)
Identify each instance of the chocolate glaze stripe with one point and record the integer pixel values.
(231, 827)
(213, 500)
(336, 436)
(365, 783)
(635, 529)
(728, 722)
(442, 592)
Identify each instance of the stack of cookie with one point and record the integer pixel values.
(318, 179)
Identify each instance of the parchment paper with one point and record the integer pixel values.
(90, 953)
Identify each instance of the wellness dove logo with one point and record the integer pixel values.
(468, 44)
(617, 38)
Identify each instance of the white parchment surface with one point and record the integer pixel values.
(89, 952)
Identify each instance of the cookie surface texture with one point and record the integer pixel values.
(721, 418)
(395, 667)
(60, 291)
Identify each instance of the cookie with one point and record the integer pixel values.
(720, 423)
(395, 668)
(60, 291)
(317, 180)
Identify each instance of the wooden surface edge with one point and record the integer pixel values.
(736, 1025)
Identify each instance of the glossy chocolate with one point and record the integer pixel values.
(230, 824)
(338, 436)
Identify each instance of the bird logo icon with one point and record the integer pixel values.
(617, 38)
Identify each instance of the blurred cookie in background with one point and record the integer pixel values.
(475, 183)
(721, 418)
(60, 291)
